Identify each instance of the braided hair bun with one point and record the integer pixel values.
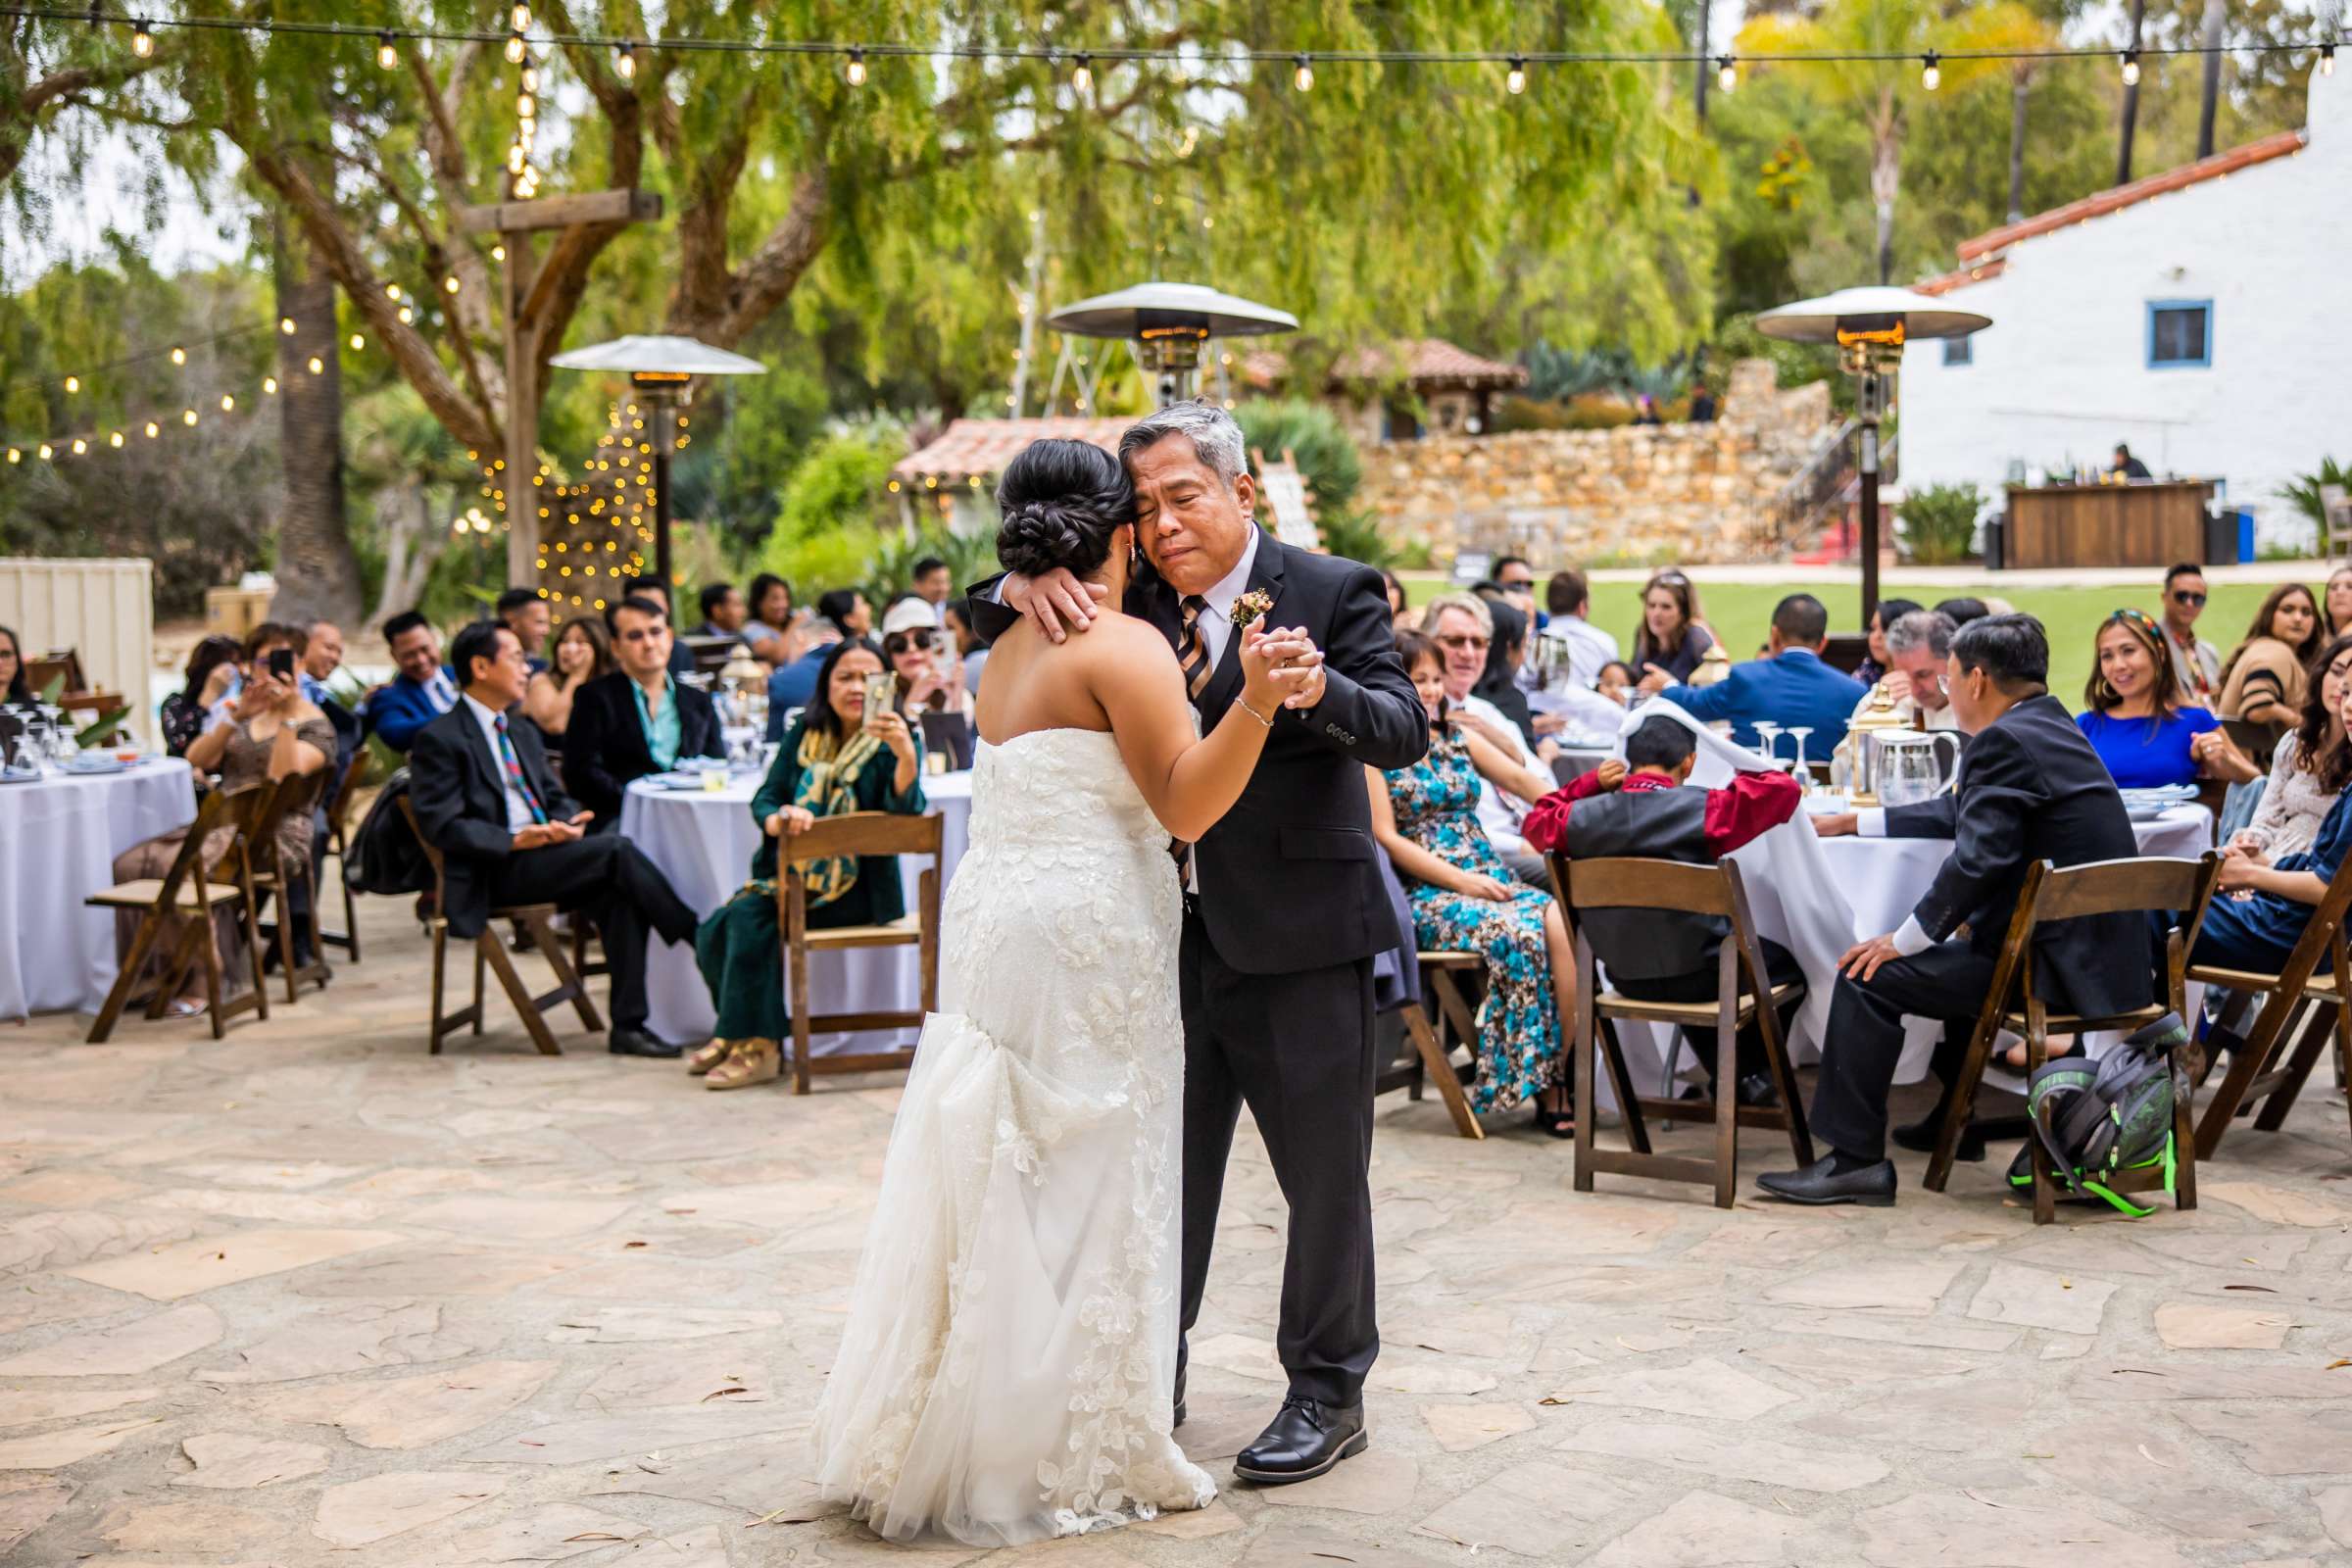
(1062, 501)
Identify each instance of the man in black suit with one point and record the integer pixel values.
(485, 799)
(639, 719)
(1285, 907)
(2030, 789)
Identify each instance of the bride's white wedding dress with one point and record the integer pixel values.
(1006, 1370)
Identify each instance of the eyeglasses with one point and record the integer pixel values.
(898, 641)
(2181, 596)
(1464, 640)
(643, 634)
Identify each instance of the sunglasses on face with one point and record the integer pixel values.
(898, 641)
(2181, 596)
(1463, 640)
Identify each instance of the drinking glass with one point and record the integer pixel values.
(1800, 731)
(1769, 733)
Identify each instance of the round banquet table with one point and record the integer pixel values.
(59, 837)
(702, 840)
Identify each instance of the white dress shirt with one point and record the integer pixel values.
(1216, 622)
(519, 809)
(1497, 812)
(1589, 648)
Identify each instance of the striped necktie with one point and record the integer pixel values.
(1192, 652)
(514, 776)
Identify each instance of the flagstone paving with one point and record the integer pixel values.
(309, 1295)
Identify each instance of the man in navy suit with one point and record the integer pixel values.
(1789, 687)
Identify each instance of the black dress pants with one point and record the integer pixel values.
(1947, 981)
(1297, 1050)
(609, 879)
(1700, 985)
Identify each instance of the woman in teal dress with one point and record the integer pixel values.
(835, 759)
(1465, 899)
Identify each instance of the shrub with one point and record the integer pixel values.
(1356, 535)
(2304, 494)
(1939, 523)
(1312, 434)
(831, 511)
(1597, 411)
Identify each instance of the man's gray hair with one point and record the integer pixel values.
(1921, 626)
(1467, 604)
(1211, 431)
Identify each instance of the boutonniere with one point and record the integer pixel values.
(1251, 605)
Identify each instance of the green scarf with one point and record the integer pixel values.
(828, 787)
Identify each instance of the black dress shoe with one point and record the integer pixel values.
(639, 1043)
(1307, 1439)
(1755, 1089)
(1872, 1186)
(1919, 1137)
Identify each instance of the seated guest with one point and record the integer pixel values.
(212, 674)
(1960, 612)
(2336, 603)
(770, 630)
(583, 653)
(840, 615)
(835, 759)
(1917, 645)
(14, 691)
(272, 732)
(2196, 663)
(2308, 771)
(681, 657)
(321, 656)
(931, 694)
(1462, 626)
(726, 612)
(1670, 641)
(2136, 722)
(522, 612)
(1465, 899)
(1568, 595)
(1615, 683)
(639, 719)
(1636, 807)
(1875, 662)
(2030, 789)
(963, 644)
(423, 690)
(1790, 686)
(2266, 680)
(509, 835)
(2259, 927)
(1401, 616)
(1498, 684)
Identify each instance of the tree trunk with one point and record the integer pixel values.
(2018, 89)
(1700, 75)
(403, 515)
(2217, 12)
(1885, 177)
(2130, 119)
(317, 574)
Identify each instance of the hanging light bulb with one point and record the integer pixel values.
(498, 253)
(624, 60)
(449, 285)
(517, 48)
(269, 386)
(228, 404)
(2327, 60)
(15, 456)
(188, 416)
(406, 315)
(81, 446)
(2130, 67)
(115, 440)
(1516, 81)
(1726, 73)
(153, 429)
(520, 16)
(387, 54)
(516, 158)
(1302, 74)
(530, 80)
(357, 342)
(72, 384)
(46, 451)
(286, 325)
(142, 42)
(179, 356)
(318, 365)
(526, 107)
(1931, 75)
(1083, 79)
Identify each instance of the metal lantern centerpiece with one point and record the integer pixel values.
(1168, 322)
(1869, 326)
(661, 372)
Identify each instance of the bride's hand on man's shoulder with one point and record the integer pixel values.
(1058, 601)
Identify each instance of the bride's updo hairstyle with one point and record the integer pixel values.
(1062, 501)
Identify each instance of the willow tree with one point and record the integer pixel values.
(1885, 93)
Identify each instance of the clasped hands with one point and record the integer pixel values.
(1058, 597)
(539, 835)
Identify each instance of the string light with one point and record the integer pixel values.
(1726, 73)
(46, 451)
(387, 56)
(179, 356)
(115, 440)
(318, 365)
(1083, 79)
(1516, 81)
(1931, 75)
(228, 404)
(2327, 60)
(854, 71)
(406, 315)
(449, 285)
(1302, 74)
(517, 48)
(624, 60)
(153, 429)
(187, 415)
(286, 325)
(81, 446)
(520, 18)
(72, 384)
(269, 386)
(142, 42)
(14, 456)
(357, 342)
(2130, 67)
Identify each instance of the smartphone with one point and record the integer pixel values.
(881, 693)
(281, 664)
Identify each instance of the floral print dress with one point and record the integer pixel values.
(1435, 802)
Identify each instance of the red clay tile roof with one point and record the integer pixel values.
(2139, 190)
(983, 447)
(1425, 362)
(1979, 273)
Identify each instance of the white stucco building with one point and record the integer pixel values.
(2202, 314)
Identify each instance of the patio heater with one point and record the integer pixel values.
(1168, 322)
(1869, 326)
(660, 372)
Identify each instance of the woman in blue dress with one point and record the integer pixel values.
(1465, 899)
(2136, 723)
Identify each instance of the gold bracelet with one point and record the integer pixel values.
(1242, 704)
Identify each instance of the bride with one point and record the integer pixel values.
(1007, 1369)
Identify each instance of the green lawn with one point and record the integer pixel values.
(1739, 613)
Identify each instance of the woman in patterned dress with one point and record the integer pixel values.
(1464, 899)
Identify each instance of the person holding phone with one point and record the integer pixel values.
(269, 732)
(848, 750)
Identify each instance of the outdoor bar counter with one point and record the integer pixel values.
(2144, 523)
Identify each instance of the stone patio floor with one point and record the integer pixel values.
(311, 1296)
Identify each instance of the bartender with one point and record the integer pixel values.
(2128, 466)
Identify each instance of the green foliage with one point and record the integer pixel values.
(890, 564)
(1939, 523)
(833, 509)
(1314, 435)
(2304, 494)
(1355, 534)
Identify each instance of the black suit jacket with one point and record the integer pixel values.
(2030, 788)
(604, 745)
(1289, 878)
(459, 791)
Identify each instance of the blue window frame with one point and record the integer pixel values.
(1960, 350)
(2180, 334)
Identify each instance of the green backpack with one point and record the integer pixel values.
(2095, 1118)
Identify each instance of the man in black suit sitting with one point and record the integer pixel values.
(485, 799)
(2030, 789)
(639, 719)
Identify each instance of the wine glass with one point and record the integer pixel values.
(1769, 733)
(1799, 732)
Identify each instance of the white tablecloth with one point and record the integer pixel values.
(704, 841)
(59, 838)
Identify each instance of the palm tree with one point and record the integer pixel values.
(1885, 92)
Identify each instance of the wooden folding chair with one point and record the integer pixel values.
(184, 890)
(276, 878)
(2301, 1008)
(2146, 885)
(1441, 1018)
(855, 834)
(1744, 991)
(487, 949)
(338, 845)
